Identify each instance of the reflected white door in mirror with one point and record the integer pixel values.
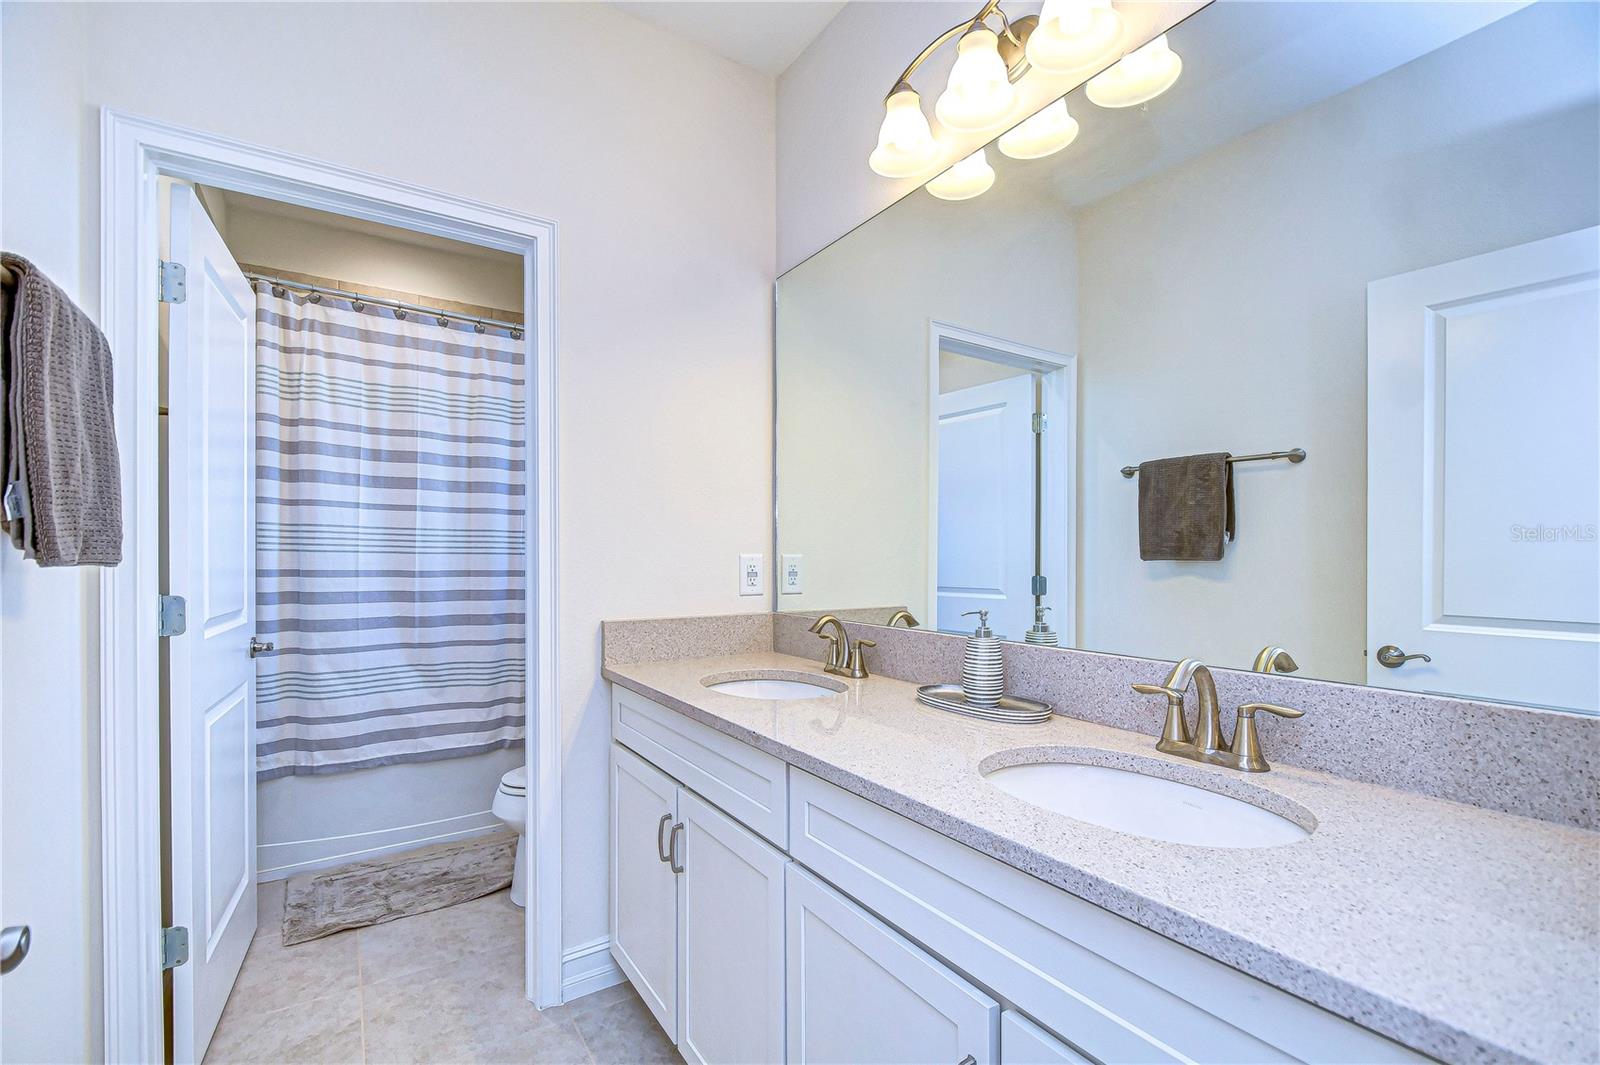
(1483, 460)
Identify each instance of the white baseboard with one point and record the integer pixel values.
(277, 861)
(588, 968)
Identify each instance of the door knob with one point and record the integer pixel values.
(14, 944)
(1391, 656)
(259, 648)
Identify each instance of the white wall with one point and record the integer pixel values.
(656, 159)
(1223, 307)
(853, 377)
(830, 103)
(49, 862)
(426, 266)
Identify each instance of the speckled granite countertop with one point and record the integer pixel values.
(1467, 934)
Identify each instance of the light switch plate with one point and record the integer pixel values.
(790, 576)
(752, 579)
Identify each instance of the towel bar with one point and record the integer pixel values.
(1293, 455)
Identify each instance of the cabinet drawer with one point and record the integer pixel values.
(749, 785)
(1115, 990)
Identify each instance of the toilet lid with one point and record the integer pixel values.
(515, 781)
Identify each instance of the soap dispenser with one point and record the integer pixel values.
(983, 677)
(1041, 633)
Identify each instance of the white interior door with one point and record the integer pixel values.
(644, 887)
(986, 490)
(1483, 474)
(730, 933)
(211, 547)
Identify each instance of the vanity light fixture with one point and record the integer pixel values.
(979, 93)
(1074, 35)
(971, 177)
(1046, 133)
(905, 143)
(1141, 75)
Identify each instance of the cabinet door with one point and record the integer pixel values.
(644, 889)
(860, 992)
(1024, 1043)
(730, 946)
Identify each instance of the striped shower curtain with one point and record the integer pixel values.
(390, 474)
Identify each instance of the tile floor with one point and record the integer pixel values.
(444, 986)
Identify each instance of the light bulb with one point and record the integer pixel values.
(968, 178)
(1044, 134)
(1140, 75)
(905, 143)
(979, 94)
(1074, 35)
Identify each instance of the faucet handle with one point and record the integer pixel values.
(858, 658)
(1175, 730)
(1246, 746)
(1248, 710)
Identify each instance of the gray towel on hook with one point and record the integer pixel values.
(61, 423)
(1185, 508)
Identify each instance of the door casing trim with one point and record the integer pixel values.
(134, 152)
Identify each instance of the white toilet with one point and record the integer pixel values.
(511, 807)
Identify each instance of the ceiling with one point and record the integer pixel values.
(764, 36)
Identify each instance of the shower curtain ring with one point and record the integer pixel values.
(442, 320)
(314, 297)
(479, 327)
(277, 290)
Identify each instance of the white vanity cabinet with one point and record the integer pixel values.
(860, 992)
(811, 925)
(696, 911)
(1024, 1043)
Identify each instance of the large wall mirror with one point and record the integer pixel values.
(1357, 240)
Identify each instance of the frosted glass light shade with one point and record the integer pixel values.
(905, 143)
(1140, 75)
(968, 178)
(979, 93)
(1074, 35)
(1044, 134)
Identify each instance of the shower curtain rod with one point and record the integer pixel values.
(438, 313)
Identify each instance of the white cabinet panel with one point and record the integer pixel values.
(750, 785)
(730, 928)
(644, 889)
(861, 993)
(1024, 1043)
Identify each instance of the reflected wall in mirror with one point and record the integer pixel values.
(1362, 230)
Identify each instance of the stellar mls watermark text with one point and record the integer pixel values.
(1555, 534)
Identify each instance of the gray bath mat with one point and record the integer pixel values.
(396, 885)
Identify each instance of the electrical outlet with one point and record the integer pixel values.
(752, 579)
(790, 575)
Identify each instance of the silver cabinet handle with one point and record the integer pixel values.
(1392, 657)
(259, 648)
(661, 839)
(14, 944)
(672, 848)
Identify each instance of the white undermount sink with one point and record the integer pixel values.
(778, 686)
(1143, 805)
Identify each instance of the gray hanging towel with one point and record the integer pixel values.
(1185, 508)
(60, 423)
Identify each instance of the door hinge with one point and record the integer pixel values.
(1039, 422)
(174, 282)
(174, 947)
(174, 616)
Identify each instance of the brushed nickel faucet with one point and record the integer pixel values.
(844, 659)
(1206, 744)
(1274, 659)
